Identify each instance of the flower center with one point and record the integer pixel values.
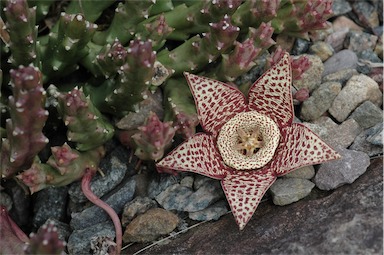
(248, 141)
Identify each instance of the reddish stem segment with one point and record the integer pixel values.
(86, 188)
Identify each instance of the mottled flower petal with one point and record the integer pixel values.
(271, 93)
(299, 147)
(216, 102)
(199, 155)
(244, 190)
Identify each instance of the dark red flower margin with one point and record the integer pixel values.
(229, 119)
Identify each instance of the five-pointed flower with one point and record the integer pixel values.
(248, 142)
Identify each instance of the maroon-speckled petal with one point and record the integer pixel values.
(299, 147)
(271, 93)
(216, 102)
(199, 155)
(244, 190)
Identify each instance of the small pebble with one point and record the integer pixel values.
(367, 61)
(336, 39)
(340, 7)
(311, 78)
(361, 142)
(367, 115)
(161, 182)
(357, 90)
(306, 172)
(212, 212)
(358, 41)
(342, 22)
(321, 49)
(187, 181)
(341, 76)
(150, 226)
(320, 101)
(5, 200)
(288, 190)
(334, 174)
(344, 59)
(300, 46)
(138, 205)
(366, 13)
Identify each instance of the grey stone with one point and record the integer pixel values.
(79, 241)
(358, 41)
(334, 174)
(361, 142)
(50, 203)
(138, 205)
(306, 172)
(175, 197)
(320, 100)
(21, 209)
(151, 225)
(341, 76)
(300, 46)
(187, 181)
(94, 215)
(311, 78)
(288, 190)
(63, 229)
(366, 13)
(336, 40)
(5, 200)
(322, 49)
(345, 59)
(159, 183)
(114, 172)
(367, 115)
(212, 212)
(357, 90)
(367, 59)
(341, 7)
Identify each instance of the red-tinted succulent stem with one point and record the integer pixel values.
(85, 186)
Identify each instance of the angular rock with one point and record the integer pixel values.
(138, 205)
(341, 76)
(345, 59)
(79, 241)
(175, 197)
(94, 215)
(321, 49)
(336, 39)
(288, 190)
(320, 101)
(344, 22)
(358, 41)
(348, 220)
(306, 172)
(151, 225)
(357, 90)
(368, 59)
(300, 46)
(366, 13)
(361, 142)
(341, 7)
(50, 203)
(187, 181)
(367, 115)
(334, 174)
(160, 183)
(311, 78)
(212, 212)
(114, 172)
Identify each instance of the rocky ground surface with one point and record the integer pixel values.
(333, 208)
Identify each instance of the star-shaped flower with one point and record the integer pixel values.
(248, 142)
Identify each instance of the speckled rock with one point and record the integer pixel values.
(114, 171)
(320, 101)
(366, 13)
(187, 181)
(6, 200)
(344, 22)
(212, 212)
(368, 59)
(311, 78)
(306, 172)
(63, 229)
(336, 39)
(151, 225)
(345, 59)
(333, 174)
(357, 90)
(288, 190)
(300, 46)
(79, 241)
(175, 197)
(367, 115)
(341, 76)
(50, 203)
(321, 49)
(161, 182)
(138, 205)
(361, 142)
(341, 7)
(358, 41)
(94, 215)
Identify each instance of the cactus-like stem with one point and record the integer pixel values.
(241, 59)
(91, 9)
(65, 166)
(86, 188)
(153, 138)
(86, 125)
(67, 46)
(156, 31)
(45, 241)
(12, 237)
(22, 31)
(42, 8)
(198, 51)
(180, 107)
(24, 129)
(253, 13)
